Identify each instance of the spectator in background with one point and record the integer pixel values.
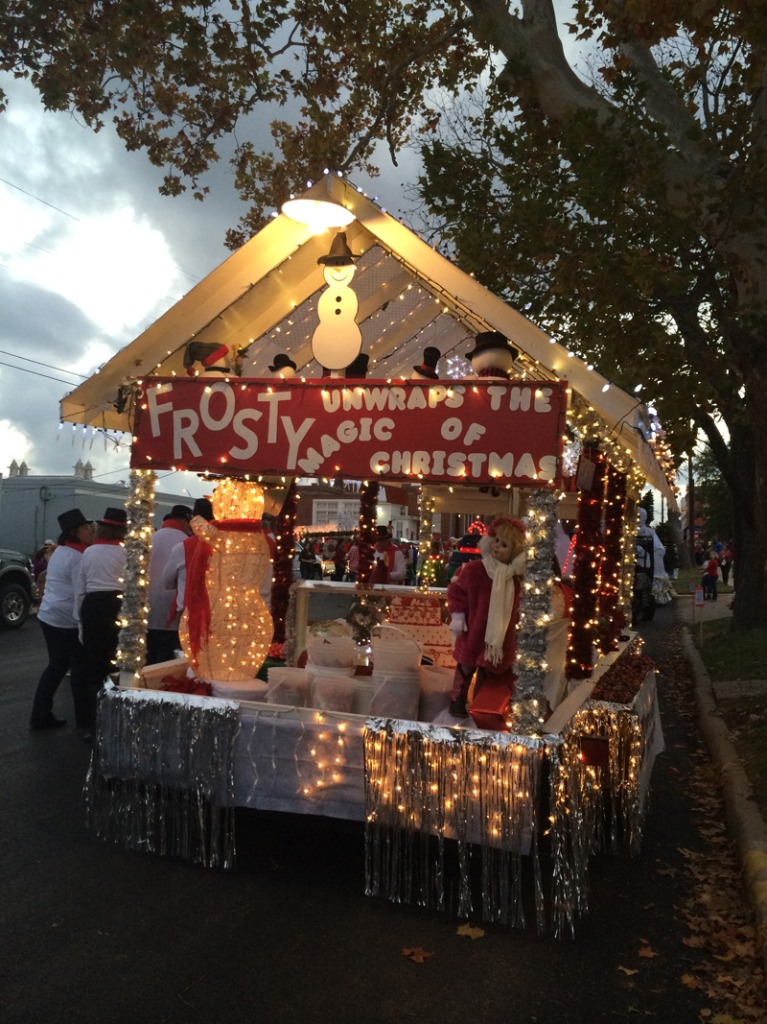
(59, 625)
(162, 635)
(388, 560)
(40, 567)
(725, 563)
(353, 560)
(710, 577)
(467, 551)
(42, 557)
(339, 560)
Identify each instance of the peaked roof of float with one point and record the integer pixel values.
(409, 296)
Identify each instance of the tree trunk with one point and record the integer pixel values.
(675, 529)
(749, 457)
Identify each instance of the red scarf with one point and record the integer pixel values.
(198, 608)
(176, 524)
(75, 546)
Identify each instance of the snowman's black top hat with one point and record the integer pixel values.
(488, 341)
(428, 368)
(340, 254)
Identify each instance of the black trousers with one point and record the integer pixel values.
(98, 616)
(65, 654)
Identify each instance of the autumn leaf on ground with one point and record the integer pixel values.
(690, 981)
(416, 954)
(647, 952)
(471, 930)
(627, 970)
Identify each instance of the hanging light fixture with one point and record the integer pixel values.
(318, 214)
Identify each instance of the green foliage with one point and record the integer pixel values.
(647, 502)
(671, 557)
(624, 205)
(713, 498)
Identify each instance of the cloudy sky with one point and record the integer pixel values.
(90, 255)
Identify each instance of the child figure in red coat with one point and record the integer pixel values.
(483, 601)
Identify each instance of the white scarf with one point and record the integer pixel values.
(502, 596)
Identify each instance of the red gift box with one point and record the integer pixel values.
(490, 707)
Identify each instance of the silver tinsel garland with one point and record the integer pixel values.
(426, 785)
(161, 778)
(131, 646)
(528, 704)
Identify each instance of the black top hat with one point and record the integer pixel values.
(204, 508)
(486, 341)
(358, 367)
(280, 362)
(383, 531)
(71, 519)
(340, 254)
(179, 512)
(428, 368)
(115, 517)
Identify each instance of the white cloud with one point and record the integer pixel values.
(115, 267)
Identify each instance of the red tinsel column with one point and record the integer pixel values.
(366, 537)
(588, 557)
(609, 600)
(284, 545)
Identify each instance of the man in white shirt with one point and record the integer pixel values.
(162, 635)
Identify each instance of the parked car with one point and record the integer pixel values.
(17, 589)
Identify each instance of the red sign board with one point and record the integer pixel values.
(479, 432)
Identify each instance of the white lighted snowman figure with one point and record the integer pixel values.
(492, 357)
(227, 628)
(337, 341)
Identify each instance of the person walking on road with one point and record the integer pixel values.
(98, 598)
(59, 625)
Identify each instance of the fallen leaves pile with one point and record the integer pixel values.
(727, 964)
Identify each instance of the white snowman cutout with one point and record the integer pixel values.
(492, 357)
(337, 341)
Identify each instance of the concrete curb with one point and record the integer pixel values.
(743, 815)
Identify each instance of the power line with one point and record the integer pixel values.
(44, 201)
(26, 359)
(184, 273)
(37, 373)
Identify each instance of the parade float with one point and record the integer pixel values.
(267, 396)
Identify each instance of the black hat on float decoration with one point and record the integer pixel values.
(203, 507)
(178, 512)
(489, 341)
(358, 368)
(428, 368)
(71, 519)
(205, 352)
(281, 360)
(115, 517)
(340, 254)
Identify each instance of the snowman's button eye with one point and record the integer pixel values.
(337, 312)
(338, 298)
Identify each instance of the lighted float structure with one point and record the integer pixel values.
(558, 428)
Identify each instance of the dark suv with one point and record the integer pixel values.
(17, 589)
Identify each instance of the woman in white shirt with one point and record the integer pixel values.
(98, 599)
(57, 621)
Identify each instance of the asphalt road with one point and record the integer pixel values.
(92, 933)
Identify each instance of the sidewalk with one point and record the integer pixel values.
(744, 818)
